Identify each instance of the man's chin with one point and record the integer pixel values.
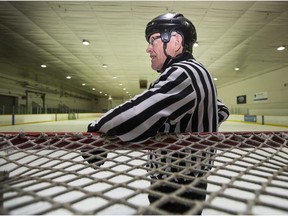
(154, 67)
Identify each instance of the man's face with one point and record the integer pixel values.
(156, 52)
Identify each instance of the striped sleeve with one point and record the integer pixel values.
(170, 97)
(223, 112)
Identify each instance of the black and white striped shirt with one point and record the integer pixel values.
(182, 99)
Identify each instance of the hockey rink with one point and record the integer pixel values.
(80, 125)
(142, 200)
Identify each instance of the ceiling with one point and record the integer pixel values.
(231, 34)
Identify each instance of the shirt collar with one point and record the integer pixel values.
(180, 57)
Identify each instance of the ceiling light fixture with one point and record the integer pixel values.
(43, 66)
(280, 48)
(236, 68)
(85, 42)
(104, 66)
(83, 84)
(68, 77)
(196, 44)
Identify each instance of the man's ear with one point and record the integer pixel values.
(178, 42)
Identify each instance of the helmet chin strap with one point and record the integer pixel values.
(168, 57)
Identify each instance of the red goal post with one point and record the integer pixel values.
(49, 173)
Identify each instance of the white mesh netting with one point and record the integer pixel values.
(60, 173)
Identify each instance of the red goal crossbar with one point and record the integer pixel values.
(82, 141)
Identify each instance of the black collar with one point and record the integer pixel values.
(180, 57)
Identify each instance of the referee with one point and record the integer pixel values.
(182, 99)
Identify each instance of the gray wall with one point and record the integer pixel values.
(54, 100)
(274, 85)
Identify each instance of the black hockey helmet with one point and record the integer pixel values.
(165, 24)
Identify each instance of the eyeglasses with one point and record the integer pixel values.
(152, 39)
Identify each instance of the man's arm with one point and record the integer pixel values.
(141, 117)
(223, 112)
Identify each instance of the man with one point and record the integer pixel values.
(182, 99)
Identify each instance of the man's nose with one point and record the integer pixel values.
(149, 47)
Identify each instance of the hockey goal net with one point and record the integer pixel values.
(50, 173)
